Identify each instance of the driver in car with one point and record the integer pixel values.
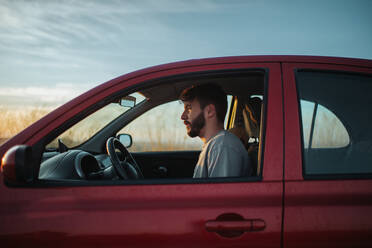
(223, 154)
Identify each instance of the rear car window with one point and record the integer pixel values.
(321, 127)
(336, 121)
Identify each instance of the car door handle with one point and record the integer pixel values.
(233, 225)
(242, 225)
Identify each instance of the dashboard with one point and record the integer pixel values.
(76, 164)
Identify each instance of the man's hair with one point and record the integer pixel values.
(207, 94)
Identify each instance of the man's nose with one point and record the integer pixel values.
(183, 116)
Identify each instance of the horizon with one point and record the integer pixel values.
(54, 51)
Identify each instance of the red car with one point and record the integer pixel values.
(306, 122)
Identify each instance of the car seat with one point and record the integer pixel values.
(252, 119)
(246, 126)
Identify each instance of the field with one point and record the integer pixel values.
(15, 119)
(161, 128)
(150, 132)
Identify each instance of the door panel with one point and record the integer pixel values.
(141, 216)
(198, 213)
(324, 210)
(328, 214)
(178, 164)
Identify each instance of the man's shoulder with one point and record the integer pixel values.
(226, 139)
(218, 138)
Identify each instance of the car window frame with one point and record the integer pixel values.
(294, 134)
(38, 147)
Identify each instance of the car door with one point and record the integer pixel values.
(328, 183)
(167, 164)
(225, 212)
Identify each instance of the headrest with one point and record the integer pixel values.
(251, 115)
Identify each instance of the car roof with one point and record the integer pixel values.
(235, 83)
(262, 59)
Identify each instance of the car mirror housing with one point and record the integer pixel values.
(16, 165)
(125, 139)
(128, 101)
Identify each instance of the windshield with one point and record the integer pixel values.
(89, 126)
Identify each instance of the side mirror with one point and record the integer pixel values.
(128, 101)
(16, 165)
(125, 139)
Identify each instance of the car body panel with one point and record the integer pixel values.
(285, 209)
(321, 213)
(157, 215)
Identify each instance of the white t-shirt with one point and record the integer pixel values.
(223, 156)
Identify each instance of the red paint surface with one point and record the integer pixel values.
(320, 213)
(141, 215)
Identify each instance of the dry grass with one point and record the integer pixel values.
(154, 131)
(15, 119)
(158, 130)
(161, 129)
(329, 132)
(87, 127)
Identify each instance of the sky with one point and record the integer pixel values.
(52, 51)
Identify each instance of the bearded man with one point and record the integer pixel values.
(223, 154)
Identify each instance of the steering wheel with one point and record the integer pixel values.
(126, 167)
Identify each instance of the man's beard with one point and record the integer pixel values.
(196, 125)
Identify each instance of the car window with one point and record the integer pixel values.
(161, 129)
(321, 127)
(157, 137)
(336, 120)
(89, 126)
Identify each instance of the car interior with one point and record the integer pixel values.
(105, 157)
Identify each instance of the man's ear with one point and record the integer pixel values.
(210, 110)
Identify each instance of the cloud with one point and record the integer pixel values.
(64, 21)
(93, 41)
(87, 34)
